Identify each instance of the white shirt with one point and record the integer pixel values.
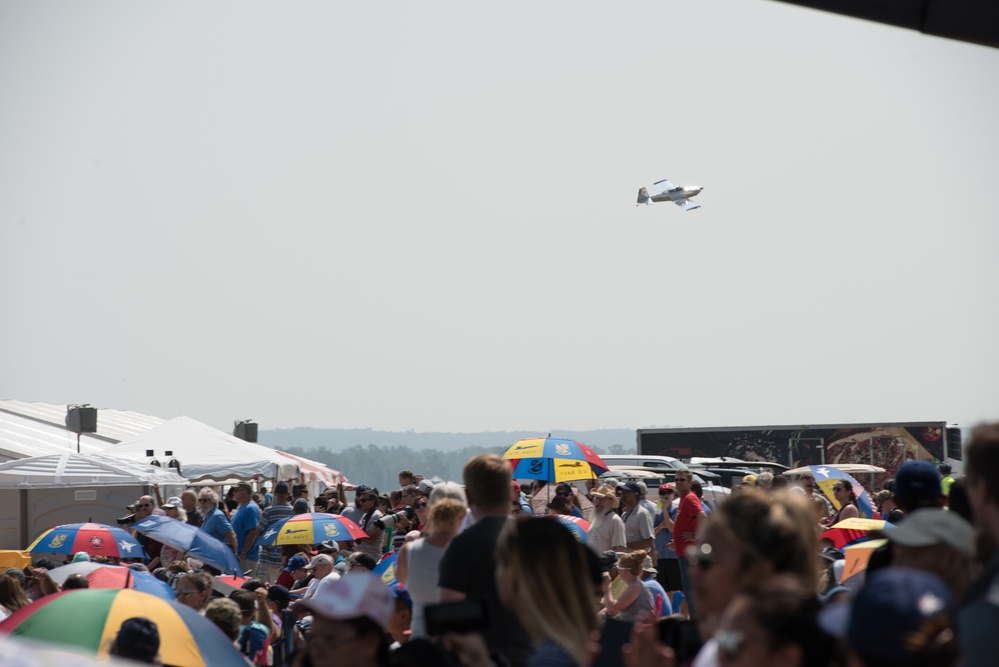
(315, 584)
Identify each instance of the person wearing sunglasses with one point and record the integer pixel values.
(214, 521)
(776, 624)
(847, 501)
(568, 492)
(143, 510)
(751, 538)
(193, 589)
(690, 520)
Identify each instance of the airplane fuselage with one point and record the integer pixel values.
(677, 194)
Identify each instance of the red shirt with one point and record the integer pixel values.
(686, 522)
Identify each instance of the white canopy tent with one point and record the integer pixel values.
(62, 470)
(37, 429)
(40, 492)
(205, 454)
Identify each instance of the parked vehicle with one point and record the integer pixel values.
(713, 492)
(885, 445)
(641, 461)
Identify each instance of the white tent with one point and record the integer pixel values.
(37, 429)
(314, 471)
(40, 492)
(62, 470)
(205, 454)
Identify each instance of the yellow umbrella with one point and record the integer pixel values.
(858, 523)
(858, 555)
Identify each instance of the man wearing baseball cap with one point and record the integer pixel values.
(937, 541)
(245, 519)
(294, 572)
(637, 519)
(917, 484)
(271, 560)
(350, 618)
(321, 569)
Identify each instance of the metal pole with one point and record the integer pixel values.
(871, 481)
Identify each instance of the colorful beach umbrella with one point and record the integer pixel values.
(386, 569)
(311, 528)
(853, 530)
(858, 555)
(553, 460)
(191, 540)
(233, 580)
(826, 478)
(89, 618)
(96, 539)
(103, 575)
(578, 527)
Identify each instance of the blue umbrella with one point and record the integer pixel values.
(190, 539)
(386, 569)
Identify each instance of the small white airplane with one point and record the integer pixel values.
(679, 195)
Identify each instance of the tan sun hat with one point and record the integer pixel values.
(606, 491)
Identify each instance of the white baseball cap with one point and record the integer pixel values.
(354, 595)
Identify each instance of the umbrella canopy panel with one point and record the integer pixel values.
(90, 619)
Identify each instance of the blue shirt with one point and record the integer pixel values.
(216, 525)
(659, 597)
(664, 537)
(244, 520)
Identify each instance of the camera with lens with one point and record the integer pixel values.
(607, 560)
(129, 518)
(393, 516)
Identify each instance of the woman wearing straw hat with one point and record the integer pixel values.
(607, 529)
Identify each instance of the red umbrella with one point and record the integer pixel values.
(95, 539)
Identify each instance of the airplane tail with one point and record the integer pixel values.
(643, 196)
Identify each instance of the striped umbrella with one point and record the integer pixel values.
(553, 460)
(96, 539)
(102, 575)
(578, 527)
(90, 618)
(312, 528)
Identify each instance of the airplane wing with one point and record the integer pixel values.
(663, 186)
(687, 205)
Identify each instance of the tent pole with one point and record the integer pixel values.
(24, 517)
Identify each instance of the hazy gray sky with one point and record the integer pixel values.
(422, 215)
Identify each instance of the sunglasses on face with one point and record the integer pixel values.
(421, 506)
(563, 493)
(701, 556)
(838, 488)
(729, 643)
(666, 493)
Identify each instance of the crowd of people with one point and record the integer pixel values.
(488, 572)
